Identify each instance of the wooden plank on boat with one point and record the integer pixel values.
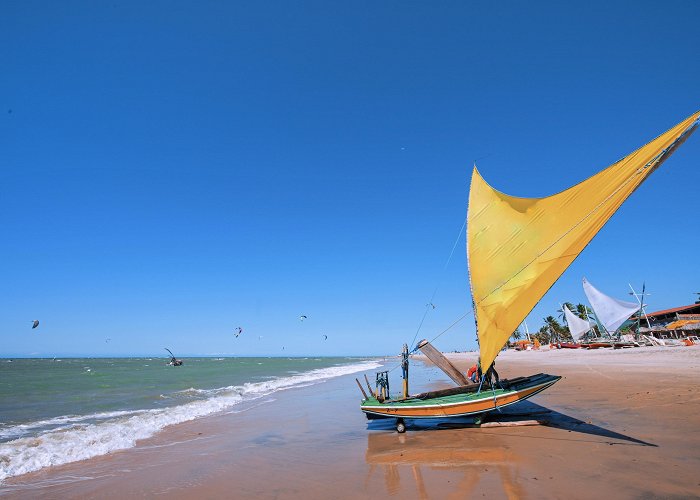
(364, 394)
(446, 392)
(514, 423)
(369, 387)
(510, 423)
(464, 389)
(443, 363)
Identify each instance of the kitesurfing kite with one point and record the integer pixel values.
(239, 330)
(35, 323)
(325, 337)
(302, 317)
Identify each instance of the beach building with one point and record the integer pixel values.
(676, 322)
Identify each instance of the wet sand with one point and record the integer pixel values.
(620, 424)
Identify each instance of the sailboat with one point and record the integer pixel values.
(577, 327)
(517, 248)
(611, 313)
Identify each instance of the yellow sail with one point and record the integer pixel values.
(518, 247)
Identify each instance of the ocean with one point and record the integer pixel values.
(58, 411)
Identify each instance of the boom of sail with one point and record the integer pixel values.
(518, 247)
(610, 312)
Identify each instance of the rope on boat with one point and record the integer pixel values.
(451, 326)
(432, 297)
(495, 401)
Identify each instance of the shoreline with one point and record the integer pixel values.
(624, 421)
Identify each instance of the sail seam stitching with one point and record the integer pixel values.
(586, 217)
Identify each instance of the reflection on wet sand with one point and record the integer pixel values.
(408, 454)
(475, 457)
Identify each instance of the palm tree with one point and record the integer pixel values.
(582, 311)
(516, 334)
(555, 328)
(543, 335)
(562, 315)
(569, 306)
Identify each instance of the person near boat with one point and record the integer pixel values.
(473, 374)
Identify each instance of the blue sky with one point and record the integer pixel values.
(172, 170)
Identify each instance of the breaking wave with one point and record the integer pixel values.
(71, 438)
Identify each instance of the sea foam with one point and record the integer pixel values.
(79, 437)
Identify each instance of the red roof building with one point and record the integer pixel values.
(668, 315)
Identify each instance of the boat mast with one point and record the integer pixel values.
(640, 299)
(404, 369)
(527, 331)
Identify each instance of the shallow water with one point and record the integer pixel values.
(63, 410)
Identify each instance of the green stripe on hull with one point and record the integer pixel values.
(450, 403)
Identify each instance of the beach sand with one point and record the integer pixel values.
(620, 424)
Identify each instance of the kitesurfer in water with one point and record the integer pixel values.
(173, 360)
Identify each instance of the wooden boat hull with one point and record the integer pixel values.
(461, 401)
(569, 345)
(597, 345)
(623, 345)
